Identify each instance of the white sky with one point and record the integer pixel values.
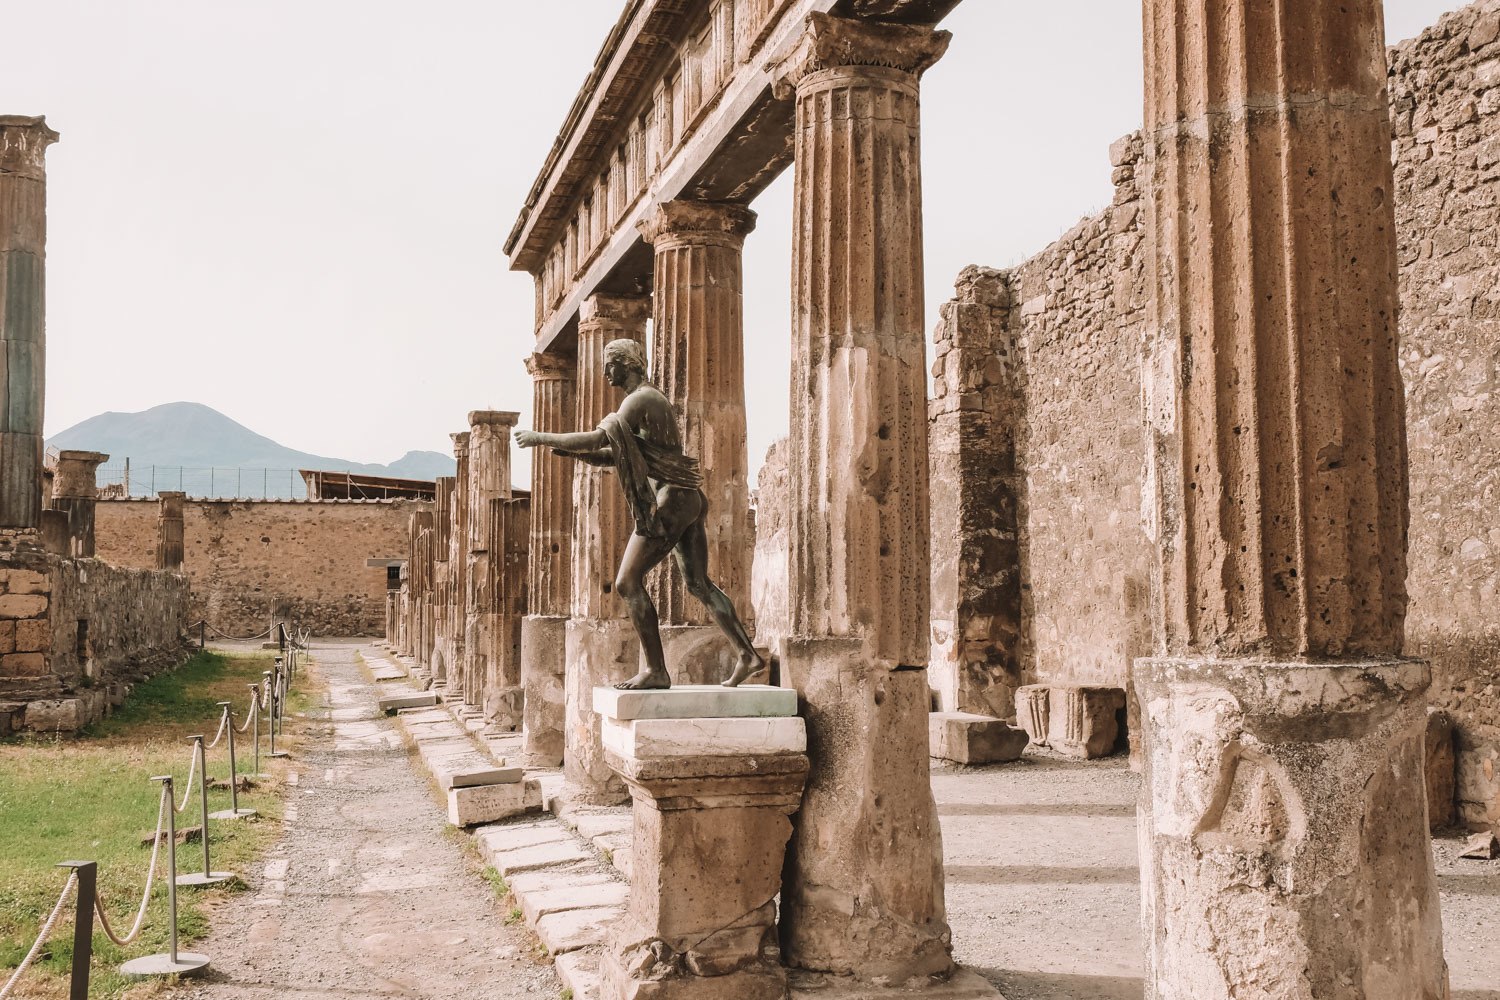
(293, 210)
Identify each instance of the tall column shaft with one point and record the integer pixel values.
(698, 358)
(461, 666)
(170, 535)
(1284, 834)
(23, 343)
(865, 887)
(489, 482)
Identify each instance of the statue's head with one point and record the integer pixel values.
(623, 356)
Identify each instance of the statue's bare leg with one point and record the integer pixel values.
(692, 557)
(676, 509)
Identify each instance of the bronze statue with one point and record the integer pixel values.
(640, 441)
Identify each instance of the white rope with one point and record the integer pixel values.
(41, 938)
(235, 638)
(250, 712)
(140, 914)
(187, 789)
(223, 722)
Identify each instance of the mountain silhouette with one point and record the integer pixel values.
(180, 442)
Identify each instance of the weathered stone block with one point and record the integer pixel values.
(703, 737)
(1034, 712)
(697, 701)
(543, 668)
(1084, 721)
(395, 703)
(965, 738)
(476, 777)
(23, 581)
(34, 636)
(66, 715)
(1440, 766)
(22, 605)
(23, 665)
(488, 803)
(7, 637)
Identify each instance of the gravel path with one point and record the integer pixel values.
(366, 895)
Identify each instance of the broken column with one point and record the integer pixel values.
(170, 548)
(713, 774)
(23, 240)
(549, 563)
(698, 363)
(489, 480)
(74, 494)
(602, 647)
(1284, 835)
(864, 893)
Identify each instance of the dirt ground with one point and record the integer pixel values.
(367, 895)
(1043, 893)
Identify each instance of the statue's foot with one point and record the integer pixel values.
(750, 664)
(647, 680)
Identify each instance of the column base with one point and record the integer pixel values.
(863, 894)
(544, 667)
(599, 653)
(698, 654)
(1284, 831)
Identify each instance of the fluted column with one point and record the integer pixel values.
(1284, 843)
(698, 361)
(170, 536)
(23, 333)
(461, 667)
(489, 480)
(444, 670)
(602, 647)
(549, 563)
(865, 887)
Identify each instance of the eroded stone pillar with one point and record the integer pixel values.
(1283, 828)
(864, 893)
(444, 670)
(488, 481)
(601, 644)
(698, 358)
(170, 536)
(549, 570)
(510, 531)
(75, 491)
(23, 336)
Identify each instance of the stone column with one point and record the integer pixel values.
(1284, 848)
(75, 492)
(460, 668)
(23, 337)
(601, 643)
(441, 664)
(698, 359)
(865, 887)
(510, 537)
(489, 480)
(549, 564)
(170, 548)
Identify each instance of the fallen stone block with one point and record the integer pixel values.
(1083, 721)
(965, 738)
(488, 803)
(397, 702)
(1482, 847)
(1033, 711)
(473, 778)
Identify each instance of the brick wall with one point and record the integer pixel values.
(244, 558)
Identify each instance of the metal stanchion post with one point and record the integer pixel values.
(208, 876)
(273, 682)
(234, 811)
(83, 927)
(174, 962)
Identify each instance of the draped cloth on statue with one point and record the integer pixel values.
(638, 462)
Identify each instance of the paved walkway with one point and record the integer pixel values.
(366, 895)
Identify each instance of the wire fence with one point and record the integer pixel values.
(146, 481)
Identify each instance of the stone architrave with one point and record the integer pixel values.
(864, 893)
(74, 493)
(698, 358)
(488, 481)
(170, 535)
(549, 587)
(602, 647)
(23, 344)
(1283, 823)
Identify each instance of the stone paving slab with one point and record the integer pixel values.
(579, 972)
(506, 862)
(570, 930)
(602, 894)
(398, 701)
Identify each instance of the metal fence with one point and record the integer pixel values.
(136, 480)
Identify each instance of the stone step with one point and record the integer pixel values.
(397, 702)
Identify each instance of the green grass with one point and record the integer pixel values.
(91, 799)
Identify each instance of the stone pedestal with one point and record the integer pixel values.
(712, 797)
(599, 652)
(544, 661)
(1288, 856)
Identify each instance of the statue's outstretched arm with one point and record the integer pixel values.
(577, 445)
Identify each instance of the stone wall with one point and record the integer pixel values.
(1445, 91)
(1075, 318)
(245, 558)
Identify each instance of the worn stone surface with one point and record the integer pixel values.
(703, 737)
(470, 806)
(544, 643)
(1084, 721)
(598, 653)
(696, 701)
(1440, 770)
(965, 738)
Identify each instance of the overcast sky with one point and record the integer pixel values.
(293, 210)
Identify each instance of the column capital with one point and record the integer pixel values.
(615, 309)
(687, 221)
(23, 143)
(551, 367)
(498, 418)
(830, 42)
(460, 444)
(76, 472)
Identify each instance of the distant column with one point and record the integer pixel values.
(23, 240)
(74, 493)
(170, 536)
(489, 481)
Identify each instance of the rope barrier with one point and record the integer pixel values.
(223, 723)
(140, 913)
(235, 638)
(250, 712)
(187, 789)
(41, 937)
